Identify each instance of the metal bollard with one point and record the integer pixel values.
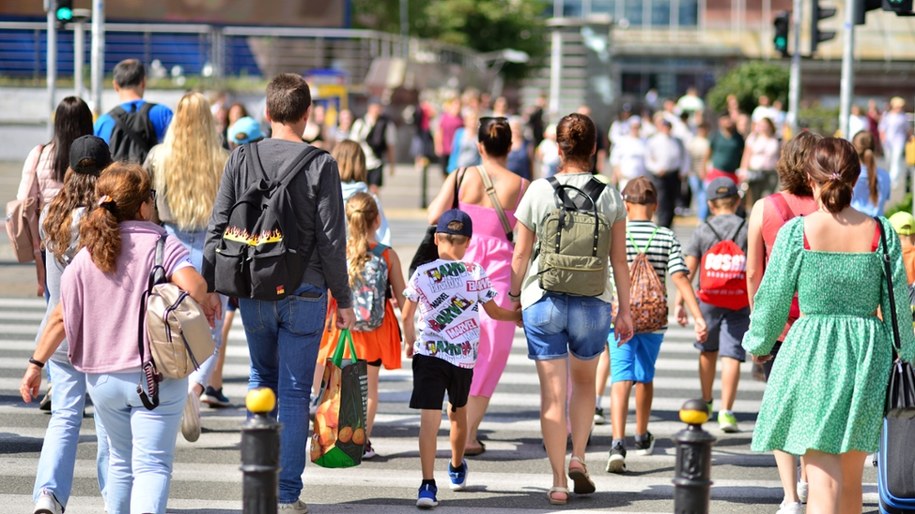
(694, 461)
(260, 454)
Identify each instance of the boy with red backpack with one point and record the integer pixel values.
(718, 251)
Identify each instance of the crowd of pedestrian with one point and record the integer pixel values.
(109, 194)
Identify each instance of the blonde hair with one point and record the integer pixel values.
(350, 161)
(190, 162)
(361, 216)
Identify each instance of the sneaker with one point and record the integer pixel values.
(297, 507)
(368, 453)
(727, 422)
(599, 418)
(214, 398)
(45, 403)
(790, 508)
(190, 421)
(617, 461)
(644, 446)
(47, 504)
(458, 476)
(802, 490)
(426, 498)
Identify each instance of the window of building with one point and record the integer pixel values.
(660, 13)
(633, 11)
(689, 13)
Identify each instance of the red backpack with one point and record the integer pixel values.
(723, 273)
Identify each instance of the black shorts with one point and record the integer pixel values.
(376, 176)
(432, 377)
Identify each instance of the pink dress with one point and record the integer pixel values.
(490, 248)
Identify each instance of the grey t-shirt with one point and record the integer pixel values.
(726, 226)
(538, 201)
(54, 269)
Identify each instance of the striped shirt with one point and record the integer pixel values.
(664, 253)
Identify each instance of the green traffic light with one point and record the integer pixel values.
(64, 13)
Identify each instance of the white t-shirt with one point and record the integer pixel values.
(449, 294)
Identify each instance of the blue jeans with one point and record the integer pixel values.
(697, 185)
(142, 441)
(283, 340)
(58, 452)
(193, 241)
(560, 324)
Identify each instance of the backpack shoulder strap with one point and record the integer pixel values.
(253, 162)
(285, 176)
(715, 232)
(379, 250)
(594, 188)
(739, 228)
(647, 244)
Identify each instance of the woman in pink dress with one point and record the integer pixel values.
(491, 248)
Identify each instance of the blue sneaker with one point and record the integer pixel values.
(426, 498)
(458, 476)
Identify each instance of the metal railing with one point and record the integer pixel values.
(219, 51)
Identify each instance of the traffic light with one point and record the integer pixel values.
(64, 12)
(782, 25)
(861, 8)
(900, 7)
(818, 14)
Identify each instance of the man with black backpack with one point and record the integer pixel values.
(135, 125)
(376, 133)
(277, 241)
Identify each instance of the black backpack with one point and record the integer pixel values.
(133, 134)
(258, 255)
(375, 138)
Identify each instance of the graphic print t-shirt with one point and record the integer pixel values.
(448, 295)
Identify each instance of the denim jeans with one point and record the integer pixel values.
(142, 441)
(697, 185)
(283, 340)
(193, 241)
(58, 452)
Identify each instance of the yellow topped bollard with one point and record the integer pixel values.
(260, 453)
(261, 400)
(692, 482)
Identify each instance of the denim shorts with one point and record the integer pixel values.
(725, 331)
(635, 361)
(560, 324)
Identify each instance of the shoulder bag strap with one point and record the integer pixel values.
(459, 175)
(494, 199)
(156, 276)
(888, 271)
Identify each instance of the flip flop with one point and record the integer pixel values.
(558, 490)
(583, 482)
(473, 452)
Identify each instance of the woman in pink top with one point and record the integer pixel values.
(767, 217)
(44, 168)
(98, 314)
(491, 248)
(760, 156)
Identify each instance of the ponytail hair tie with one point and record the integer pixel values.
(835, 176)
(106, 202)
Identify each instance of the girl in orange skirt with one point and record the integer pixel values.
(374, 270)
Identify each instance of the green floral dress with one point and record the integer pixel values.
(828, 384)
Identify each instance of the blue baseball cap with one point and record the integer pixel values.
(455, 222)
(245, 130)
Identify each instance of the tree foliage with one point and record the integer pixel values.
(483, 25)
(748, 82)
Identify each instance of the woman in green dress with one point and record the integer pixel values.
(826, 393)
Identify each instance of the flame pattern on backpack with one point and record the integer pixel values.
(647, 297)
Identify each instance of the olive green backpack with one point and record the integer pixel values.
(574, 241)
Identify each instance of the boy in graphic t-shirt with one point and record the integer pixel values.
(448, 293)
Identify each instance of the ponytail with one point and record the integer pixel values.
(361, 216)
(121, 189)
(834, 165)
(100, 234)
(835, 195)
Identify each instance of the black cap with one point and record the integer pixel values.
(89, 154)
(721, 187)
